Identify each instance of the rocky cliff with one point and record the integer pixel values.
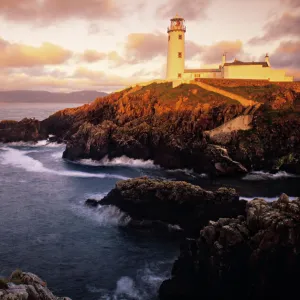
(171, 202)
(25, 286)
(167, 125)
(255, 256)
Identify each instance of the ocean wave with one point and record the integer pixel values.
(20, 159)
(57, 155)
(143, 286)
(95, 196)
(42, 143)
(268, 199)
(104, 215)
(189, 172)
(122, 161)
(260, 175)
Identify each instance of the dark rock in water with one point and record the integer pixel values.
(91, 202)
(173, 202)
(25, 286)
(290, 163)
(27, 130)
(251, 257)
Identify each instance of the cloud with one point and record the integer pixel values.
(292, 3)
(286, 55)
(49, 11)
(191, 10)
(192, 49)
(288, 25)
(145, 46)
(212, 54)
(141, 47)
(91, 56)
(81, 78)
(19, 55)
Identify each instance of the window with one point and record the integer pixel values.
(180, 36)
(179, 54)
(179, 75)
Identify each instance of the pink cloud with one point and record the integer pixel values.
(191, 10)
(288, 25)
(19, 55)
(48, 11)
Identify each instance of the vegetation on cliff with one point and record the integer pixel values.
(167, 125)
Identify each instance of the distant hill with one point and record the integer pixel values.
(44, 96)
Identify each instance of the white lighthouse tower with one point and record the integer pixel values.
(176, 49)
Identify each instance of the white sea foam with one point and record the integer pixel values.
(260, 175)
(20, 159)
(104, 215)
(268, 199)
(96, 196)
(120, 161)
(189, 172)
(57, 155)
(143, 286)
(42, 143)
(126, 287)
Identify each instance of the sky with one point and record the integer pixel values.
(104, 45)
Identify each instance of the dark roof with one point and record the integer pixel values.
(242, 63)
(201, 70)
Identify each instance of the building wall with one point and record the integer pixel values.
(255, 72)
(193, 76)
(175, 65)
(246, 72)
(279, 75)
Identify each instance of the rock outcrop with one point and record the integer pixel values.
(27, 130)
(25, 286)
(168, 126)
(171, 202)
(256, 256)
(275, 136)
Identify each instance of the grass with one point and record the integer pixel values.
(257, 93)
(169, 96)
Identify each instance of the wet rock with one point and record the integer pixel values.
(92, 202)
(256, 256)
(27, 130)
(26, 286)
(172, 202)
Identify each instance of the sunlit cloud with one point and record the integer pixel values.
(20, 55)
(190, 10)
(91, 56)
(144, 46)
(288, 25)
(81, 79)
(292, 3)
(213, 53)
(49, 11)
(287, 55)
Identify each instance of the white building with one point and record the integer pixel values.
(229, 70)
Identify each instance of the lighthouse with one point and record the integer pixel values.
(176, 49)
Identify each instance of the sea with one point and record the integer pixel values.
(85, 253)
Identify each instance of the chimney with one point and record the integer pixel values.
(223, 59)
(267, 59)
